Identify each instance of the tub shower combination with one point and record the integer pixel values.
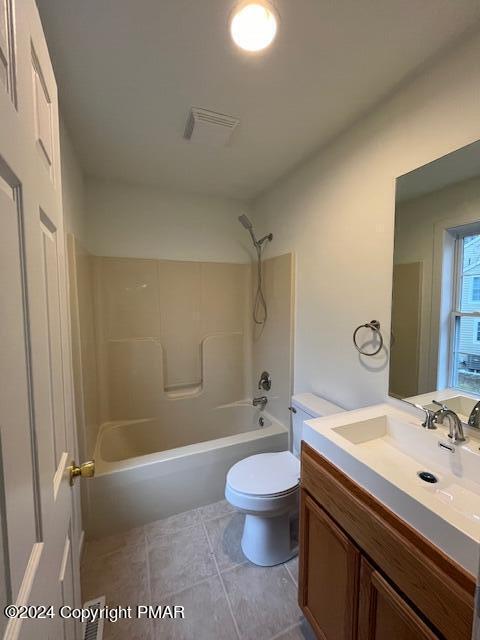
(165, 352)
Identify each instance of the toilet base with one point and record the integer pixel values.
(267, 541)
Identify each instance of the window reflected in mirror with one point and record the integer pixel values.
(435, 342)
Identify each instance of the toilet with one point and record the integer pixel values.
(266, 488)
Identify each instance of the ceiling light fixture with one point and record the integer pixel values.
(253, 25)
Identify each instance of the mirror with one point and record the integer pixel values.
(435, 343)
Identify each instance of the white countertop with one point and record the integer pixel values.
(382, 448)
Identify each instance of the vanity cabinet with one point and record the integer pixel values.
(365, 574)
(327, 551)
(383, 613)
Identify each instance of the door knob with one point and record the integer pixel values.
(85, 470)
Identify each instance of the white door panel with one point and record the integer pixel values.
(16, 450)
(39, 513)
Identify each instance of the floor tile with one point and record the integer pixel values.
(128, 630)
(121, 576)
(225, 535)
(215, 510)
(97, 548)
(302, 631)
(174, 556)
(207, 615)
(263, 599)
(292, 566)
(172, 524)
(179, 561)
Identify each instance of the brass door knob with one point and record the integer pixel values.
(85, 470)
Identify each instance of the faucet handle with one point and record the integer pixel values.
(265, 381)
(440, 404)
(430, 417)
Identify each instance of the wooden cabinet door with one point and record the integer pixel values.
(384, 614)
(329, 574)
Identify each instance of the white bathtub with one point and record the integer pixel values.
(146, 470)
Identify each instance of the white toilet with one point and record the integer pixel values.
(266, 487)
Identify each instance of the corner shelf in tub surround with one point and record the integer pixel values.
(187, 391)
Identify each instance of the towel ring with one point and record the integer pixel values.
(374, 325)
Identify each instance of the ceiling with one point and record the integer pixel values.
(129, 71)
(457, 166)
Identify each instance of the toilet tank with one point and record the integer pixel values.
(306, 406)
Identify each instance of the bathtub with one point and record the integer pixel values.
(146, 470)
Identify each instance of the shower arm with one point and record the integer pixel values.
(268, 237)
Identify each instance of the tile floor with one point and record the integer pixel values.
(194, 559)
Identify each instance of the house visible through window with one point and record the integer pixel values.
(465, 369)
(476, 289)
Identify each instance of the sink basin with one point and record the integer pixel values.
(462, 405)
(385, 450)
(384, 427)
(391, 445)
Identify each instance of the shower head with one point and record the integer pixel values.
(245, 220)
(260, 301)
(247, 223)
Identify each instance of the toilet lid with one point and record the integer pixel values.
(265, 474)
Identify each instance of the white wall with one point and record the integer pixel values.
(336, 212)
(134, 221)
(73, 188)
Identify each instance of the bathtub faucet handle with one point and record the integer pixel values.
(265, 381)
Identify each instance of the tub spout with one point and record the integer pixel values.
(260, 402)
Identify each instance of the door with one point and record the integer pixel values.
(406, 323)
(39, 522)
(384, 614)
(329, 574)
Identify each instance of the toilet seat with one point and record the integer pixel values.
(265, 475)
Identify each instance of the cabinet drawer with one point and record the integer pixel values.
(441, 589)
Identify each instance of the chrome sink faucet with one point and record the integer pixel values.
(261, 402)
(474, 418)
(455, 427)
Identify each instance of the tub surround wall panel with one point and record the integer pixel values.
(273, 342)
(170, 330)
(180, 292)
(336, 212)
(81, 286)
(134, 378)
(223, 297)
(130, 298)
(135, 381)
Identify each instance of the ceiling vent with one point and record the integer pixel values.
(208, 127)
